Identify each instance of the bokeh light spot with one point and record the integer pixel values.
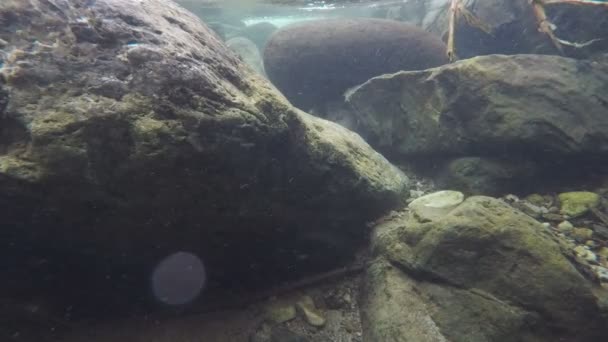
(179, 278)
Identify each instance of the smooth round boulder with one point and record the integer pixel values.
(315, 62)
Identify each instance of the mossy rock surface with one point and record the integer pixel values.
(129, 131)
(491, 106)
(483, 259)
(577, 203)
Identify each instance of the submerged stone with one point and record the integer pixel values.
(280, 312)
(307, 307)
(314, 62)
(565, 227)
(483, 259)
(435, 205)
(448, 110)
(131, 132)
(578, 203)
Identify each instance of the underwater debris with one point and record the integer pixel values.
(457, 9)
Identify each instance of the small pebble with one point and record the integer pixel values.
(565, 227)
(577, 203)
(531, 209)
(307, 306)
(590, 243)
(603, 252)
(601, 272)
(584, 253)
(280, 312)
(536, 199)
(582, 234)
(553, 217)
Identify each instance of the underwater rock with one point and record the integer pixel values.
(546, 110)
(565, 227)
(313, 63)
(483, 259)
(603, 252)
(306, 306)
(280, 312)
(248, 51)
(190, 151)
(577, 203)
(537, 199)
(490, 104)
(435, 205)
(582, 234)
(584, 253)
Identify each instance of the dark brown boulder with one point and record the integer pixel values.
(315, 62)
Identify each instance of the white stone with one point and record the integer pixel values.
(565, 226)
(435, 205)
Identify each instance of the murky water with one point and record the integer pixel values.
(290, 170)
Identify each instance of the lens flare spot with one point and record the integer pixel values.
(179, 278)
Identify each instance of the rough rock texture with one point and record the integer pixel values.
(483, 272)
(518, 121)
(315, 62)
(129, 131)
(539, 105)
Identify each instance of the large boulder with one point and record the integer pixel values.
(519, 121)
(129, 131)
(489, 105)
(482, 272)
(313, 63)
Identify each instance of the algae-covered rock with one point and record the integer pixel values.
(483, 259)
(577, 203)
(536, 199)
(489, 106)
(130, 132)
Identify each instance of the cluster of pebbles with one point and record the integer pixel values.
(579, 220)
